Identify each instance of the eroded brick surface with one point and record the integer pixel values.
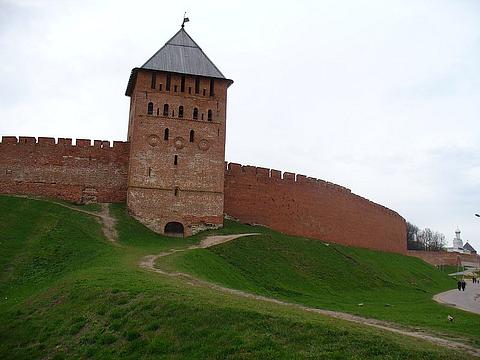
(81, 173)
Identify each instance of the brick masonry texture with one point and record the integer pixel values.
(298, 205)
(293, 204)
(79, 173)
(443, 257)
(189, 191)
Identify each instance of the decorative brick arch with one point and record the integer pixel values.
(174, 228)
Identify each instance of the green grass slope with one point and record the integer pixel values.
(389, 286)
(67, 292)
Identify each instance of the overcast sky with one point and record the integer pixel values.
(382, 97)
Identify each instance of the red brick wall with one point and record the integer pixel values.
(297, 205)
(78, 173)
(293, 204)
(443, 257)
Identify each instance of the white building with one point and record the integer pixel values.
(457, 240)
(458, 245)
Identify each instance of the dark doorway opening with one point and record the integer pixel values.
(174, 229)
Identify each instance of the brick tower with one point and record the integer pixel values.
(176, 131)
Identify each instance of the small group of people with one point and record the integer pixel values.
(474, 280)
(461, 284)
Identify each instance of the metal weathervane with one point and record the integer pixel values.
(185, 19)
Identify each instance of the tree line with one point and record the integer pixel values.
(424, 239)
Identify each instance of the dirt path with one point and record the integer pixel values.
(148, 263)
(218, 239)
(107, 221)
(108, 224)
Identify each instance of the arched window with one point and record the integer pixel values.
(150, 108)
(165, 134)
(195, 114)
(210, 115)
(165, 110)
(192, 135)
(180, 111)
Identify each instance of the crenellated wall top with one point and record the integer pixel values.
(48, 141)
(238, 170)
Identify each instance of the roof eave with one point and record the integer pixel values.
(134, 72)
(131, 81)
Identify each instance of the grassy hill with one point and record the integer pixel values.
(67, 292)
(388, 286)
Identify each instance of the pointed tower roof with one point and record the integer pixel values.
(181, 54)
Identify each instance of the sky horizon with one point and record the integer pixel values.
(383, 99)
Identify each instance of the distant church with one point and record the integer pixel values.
(459, 247)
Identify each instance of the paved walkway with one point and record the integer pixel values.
(468, 300)
(464, 272)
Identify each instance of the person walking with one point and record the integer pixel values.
(463, 285)
(459, 285)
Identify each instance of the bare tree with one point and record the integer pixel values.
(431, 240)
(438, 242)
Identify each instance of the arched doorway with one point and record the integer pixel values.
(173, 229)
